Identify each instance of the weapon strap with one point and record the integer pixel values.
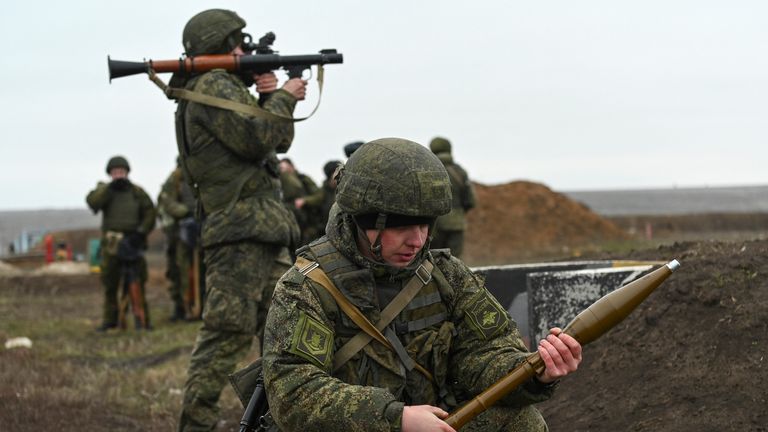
(311, 269)
(251, 110)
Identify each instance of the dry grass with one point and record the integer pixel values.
(75, 379)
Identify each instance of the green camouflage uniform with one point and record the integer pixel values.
(246, 228)
(453, 327)
(177, 201)
(126, 209)
(322, 200)
(298, 185)
(449, 231)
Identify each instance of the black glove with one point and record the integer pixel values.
(138, 240)
(120, 184)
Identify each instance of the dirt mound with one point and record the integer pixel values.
(692, 357)
(9, 269)
(524, 220)
(63, 268)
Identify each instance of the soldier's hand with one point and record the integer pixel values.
(299, 203)
(561, 354)
(419, 418)
(266, 82)
(297, 87)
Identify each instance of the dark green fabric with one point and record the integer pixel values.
(209, 32)
(118, 162)
(297, 185)
(369, 392)
(462, 197)
(232, 159)
(125, 210)
(440, 145)
(394, 176)
(112, 276)
(240, 279)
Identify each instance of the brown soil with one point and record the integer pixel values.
(692, 357)
(521, 221)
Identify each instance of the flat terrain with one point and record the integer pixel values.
(74, 379)
(692, 357)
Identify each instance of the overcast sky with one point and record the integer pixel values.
(575, 95)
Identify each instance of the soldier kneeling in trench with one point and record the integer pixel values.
(443, 337)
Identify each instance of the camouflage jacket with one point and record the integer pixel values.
(453, 327)
(463, 196)
(231, 159)
(176, 199)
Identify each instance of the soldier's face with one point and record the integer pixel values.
(399, 245)
(118, 173)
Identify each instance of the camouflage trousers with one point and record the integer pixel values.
(505, 419)
(113, 272)
(173, 272)
(240, 279)
(185, 256)
(453, 240)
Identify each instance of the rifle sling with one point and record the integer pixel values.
(311, 269)
(250, 110)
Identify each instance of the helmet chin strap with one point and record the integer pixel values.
(375, 247)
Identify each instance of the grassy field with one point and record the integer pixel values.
(75, 379)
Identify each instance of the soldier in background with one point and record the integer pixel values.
(128, 216)
(171, 231)
(231, 159)
(176, 205)
(323, 199)
(449, 231)
(296, 187)
(350, 148)
(448, 337)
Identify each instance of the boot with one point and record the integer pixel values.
(105, 326)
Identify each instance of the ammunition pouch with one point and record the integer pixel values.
(189, 231)
(129, 248)
(111, 241)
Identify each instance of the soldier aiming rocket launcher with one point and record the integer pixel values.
(259, 58)
(589, 325)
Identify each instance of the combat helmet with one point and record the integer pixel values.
(118, 162)
(214, 31)
(395, 179)
(440, 145)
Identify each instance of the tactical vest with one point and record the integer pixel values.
(123, 213)
(423, 328)
(222, 177)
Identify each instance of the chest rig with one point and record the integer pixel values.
(420, 327)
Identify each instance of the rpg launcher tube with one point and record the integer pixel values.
(588, 325)
(232, 63)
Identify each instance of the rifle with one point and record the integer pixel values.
(261, 58)
(256, 409)
(129, 254)
(588, 325)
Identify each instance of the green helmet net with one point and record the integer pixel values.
(214, 31)
(394, 176)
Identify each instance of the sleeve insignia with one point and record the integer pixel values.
(312, 340)
(486, 316)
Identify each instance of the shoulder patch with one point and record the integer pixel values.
(486, 316)
(312, 340)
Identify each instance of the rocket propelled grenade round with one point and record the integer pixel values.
(587, 326)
